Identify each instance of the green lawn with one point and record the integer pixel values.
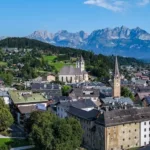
(13, 142)
(49, 58)
(3, 63)
(58, 64)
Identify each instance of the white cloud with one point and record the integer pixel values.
(143, 2)
(117, 5)
(114, 5)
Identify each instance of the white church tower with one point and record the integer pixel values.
(78, 63)
(82, 64)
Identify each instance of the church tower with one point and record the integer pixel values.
(82, 64)
(116, 83)
(77, 63)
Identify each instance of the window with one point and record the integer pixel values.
(123, 139)
(128, 145)
(144, 143)
(144, 123)
(121, 146)
(136, 144)
(145, 136)
(123, 132)
(62, 79)
(135, 130)
(135, 137)
(111, 148)
(145, 129)
(129, 131)
(129, 138)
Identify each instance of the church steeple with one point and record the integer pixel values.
(116, 84)
(77, 63)
(82, 63)
(117, 73)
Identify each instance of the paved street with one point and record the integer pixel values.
(22, 148)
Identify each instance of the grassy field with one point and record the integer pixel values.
(58, 64)
(3, 63)
(50, 58)
(13, 142)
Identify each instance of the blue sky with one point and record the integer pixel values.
(22, 17)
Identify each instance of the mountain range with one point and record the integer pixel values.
(120, 40)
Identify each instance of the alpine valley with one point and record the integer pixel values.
(120, 40)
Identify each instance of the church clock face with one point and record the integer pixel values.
(117, 84)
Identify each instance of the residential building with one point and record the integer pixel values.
(140, 96)
(146, 101)
(49, 90)
(69, 74)
(86, 119)
(49, 77)
(25, 102)
(4, 95)
(63, 107)
(105, 92)
(83, 93)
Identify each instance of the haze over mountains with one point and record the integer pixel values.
(120, 40)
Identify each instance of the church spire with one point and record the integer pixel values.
(117, 73)
(116, 84)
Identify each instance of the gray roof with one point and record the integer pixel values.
(123, 100)
(70, 70)
(80, 104)
(44, 86)
(118, 117)
(87, 115)
(3, 94)
(105, 92)
(83, 92)
(147, 99)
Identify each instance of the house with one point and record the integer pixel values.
(25, 102)
(4, 95)
(83, 93)
(49, 90)
(121, 100)
(87, 119)
(49, 78)
(140, 96)
(140, 82)
(92, 85)
(69, 74)
(114, 130)
(63, 107)
(105, 92)
(146, 101)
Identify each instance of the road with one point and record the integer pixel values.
(22, 148)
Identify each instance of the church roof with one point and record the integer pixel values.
(70, 70)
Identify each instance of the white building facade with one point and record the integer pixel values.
(145, 133)
(71, 74)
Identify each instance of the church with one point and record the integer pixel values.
(71, 74)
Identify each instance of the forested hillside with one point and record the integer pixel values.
(97, 65)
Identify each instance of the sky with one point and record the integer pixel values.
(22, 17)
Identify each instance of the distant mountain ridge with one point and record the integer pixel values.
(120, 40)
